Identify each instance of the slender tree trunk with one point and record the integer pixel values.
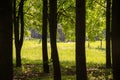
(17, 46)
(18, 23)
(22, 23)
(108, 53)
(6, 65)
(88, 44)
(16, 32)
(101, 43)
(44, 36)
(116, 39)
(81, 73)
(53, 32)
(18, 56)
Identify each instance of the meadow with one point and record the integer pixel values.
(32, 61)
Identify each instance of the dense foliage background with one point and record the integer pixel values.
(95, 18)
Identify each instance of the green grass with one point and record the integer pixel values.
(32, 61)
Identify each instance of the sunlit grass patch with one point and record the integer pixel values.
(32, 58)
(95, 56)
(32, 51)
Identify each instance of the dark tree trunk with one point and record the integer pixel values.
(101, 43)
(16, 32)
(108, 53)
(18, 57)
(116, 39)
(22, 22)
(18, 23)
(88, 44)
(53, 32)
(6, 66)
(81, 73)
(44, 36)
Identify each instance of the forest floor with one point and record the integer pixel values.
(32, 68)
(34, 72)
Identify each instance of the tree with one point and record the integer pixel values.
(108, 22)
(33, 15)
(95, 20)
(116, 39)
(81, 73)
(18, 28)
(66, 17)
(6, 66)
(44, 37)
(95, 17)
(53, 31)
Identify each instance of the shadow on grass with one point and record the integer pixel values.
(98, 72)
(102, 49)
(34, 71)
(30, 70)
(98, 48)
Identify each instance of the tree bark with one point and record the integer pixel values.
(108, 22)
(19, 23)
(116, 39)
(53, 32)
(44, 36)
(81, 73)
(6, 65)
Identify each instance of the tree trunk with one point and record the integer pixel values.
(6, 66)
(88, 44)
(22, 23)
(108, 22)
(53, 32)
(18, 56)
(44, 36)
(81, 73)
(116, 39)
(18, 23)
(101, 43)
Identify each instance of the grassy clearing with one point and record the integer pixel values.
(32, 61)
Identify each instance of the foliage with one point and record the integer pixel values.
(66, 16)
(95, 17)
(33, 15)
